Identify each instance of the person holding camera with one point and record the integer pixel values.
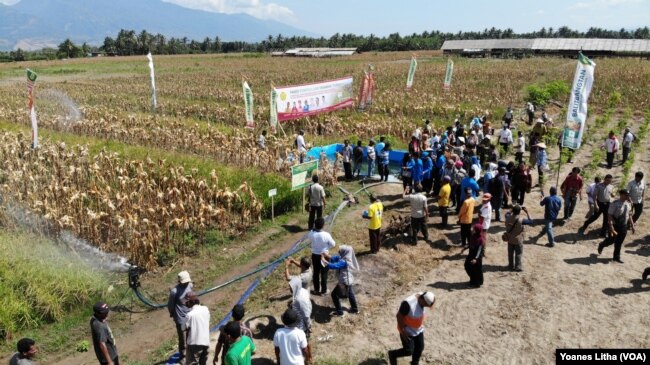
(515, 235)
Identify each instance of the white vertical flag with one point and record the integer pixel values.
(412, 68)
(31, 80)
(248, 105)
(153, 82)
(576, 116)
(273, 120)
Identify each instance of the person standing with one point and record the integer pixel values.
(407, 177)
(419, 213)
(500, 190)
(242, 348)
(358, 158)
(290, 342)
(410, 325)
(306, 274)
(417, 169)
(636, 188)
(515, 236)
(530, 110)
(345, 264)
(372, 156)
(542, 161)
(611, 146)
(223, 343)
(520, 148)
(474, 259)
(261, 141)
(346, 152)
(301, 303)
(177, 308)
(552, 205)
(379, 148)
(316, 201)
(604, 193)
(300, 145)
(198, 331)
(571, 189)
(507, 117)
(619, 221)
(375, 212)
(485, 214)
(26, 352)
(384, 160)
(627, 139)
(444, 196)
(103, 340)
(469, 184)
(505, 137)
(427, 172)
(321, 241)
(465, 216)
(522, 182)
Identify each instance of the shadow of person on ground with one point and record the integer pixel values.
(373, 362)
(321, 314)
(641, 251)
(495, 268)
(263, 326)
(637, 287)
(451, 286)
(292, 228)
(639, 241)
(590, 260)
(262, 361)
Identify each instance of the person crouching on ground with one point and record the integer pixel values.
(345, 264)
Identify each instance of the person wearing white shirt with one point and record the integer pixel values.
(520, 147)
(261, 141)
(321, 242)
(591, 196)
(628, 138)
(300, 144)
(611, 147)
(198, 331)
(291, 346)
(636, 188)
(505, 138)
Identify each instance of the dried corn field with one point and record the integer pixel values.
(140, 208)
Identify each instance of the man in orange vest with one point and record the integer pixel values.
(410, 325)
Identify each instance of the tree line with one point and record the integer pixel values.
(128, 42)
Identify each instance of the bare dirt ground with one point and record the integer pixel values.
(567, 296)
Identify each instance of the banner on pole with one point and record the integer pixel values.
(412, 68)
(301, 174)
(31, 80)
(310, 99)
(576, 116)
(371, 86)
(152, 76)
(273, 120)
(448, 74)
(248, 105)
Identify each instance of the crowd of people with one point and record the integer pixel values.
(465, 170)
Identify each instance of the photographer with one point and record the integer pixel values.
(515, 235)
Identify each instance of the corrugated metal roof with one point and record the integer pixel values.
(553, 44)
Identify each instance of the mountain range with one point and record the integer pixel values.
(35, 24)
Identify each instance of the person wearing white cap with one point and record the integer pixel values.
(176, 305)
(410, 325)
(542, 160)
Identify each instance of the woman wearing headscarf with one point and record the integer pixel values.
(301, 303)
(345, 263)
(474, 260)
(490, 174)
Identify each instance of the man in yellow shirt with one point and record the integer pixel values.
(443, 200)
(375, 212)
(465, 216)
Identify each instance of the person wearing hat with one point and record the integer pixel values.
(465, 216)
(103, 341)
(542, 160)
(176, 305)
(636, 188)
(474, 259)
(198, 331)
(410, 325)
(627, 140)
(26, 351)
(485, 214)
(444, 196)
(300, 145)
(514, 235)
(290, 342)
(552, 205)
(619, 221)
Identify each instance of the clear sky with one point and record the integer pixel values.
(382, 17)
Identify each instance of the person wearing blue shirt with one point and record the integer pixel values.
(384, 160)
(469, 181)
(416, 168)
(427, 172)
(552, 205)
(437, 171)
(345, 264)
(379, 148)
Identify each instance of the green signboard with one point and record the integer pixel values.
(301, 174)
